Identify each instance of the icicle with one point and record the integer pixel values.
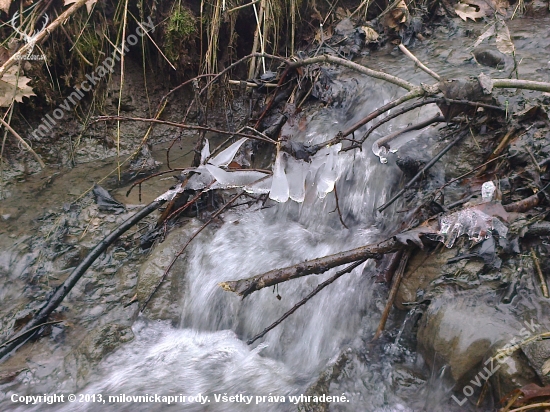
(234, 179)
(205, 152)
(227, 155)
(326, 179)
(279, 186)
(296, 171)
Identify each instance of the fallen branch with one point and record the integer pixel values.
(304, 300)
(53, 302)
(245, 287)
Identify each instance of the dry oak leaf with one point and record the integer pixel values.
(504, 41)
(397, 16)
(14, 88)
(371, 35)
(89, 4)
(466, 11)
(5, 5)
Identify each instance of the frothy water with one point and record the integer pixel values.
(207, 353)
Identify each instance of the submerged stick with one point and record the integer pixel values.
(393, 293)
(304, 300)
(245, 287)
(54, 301)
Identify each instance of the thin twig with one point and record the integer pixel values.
(398, 113)
(181, 126)
(338, 208)
(304, 300)
(215, 215)
(465, 174)
(386, 139)
(419, 63)
(139, 182)
(393, 292)
(30, 330)
(422, 103)
(242, 6)
(539, 272)
(23, 142)
(532, 406)
(422, 171)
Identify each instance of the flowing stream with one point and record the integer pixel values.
(207, 355)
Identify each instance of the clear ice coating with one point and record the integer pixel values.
(226, 156)
(472, 222)
(205, 152)
(329, 172)
(287, 182)
(280, 190)
(297, 171)
(488, 191)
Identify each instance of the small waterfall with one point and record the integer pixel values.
(207, 354)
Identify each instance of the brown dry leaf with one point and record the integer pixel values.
(397, 16)
(504, 41)
(466, 11)
(5, 5)
(371, 35)
(342, 13)
(8, 91)
(89, 4)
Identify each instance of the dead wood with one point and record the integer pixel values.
(55, 300)
(393, 293)
(245, 287)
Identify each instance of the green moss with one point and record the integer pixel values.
(180, 27)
